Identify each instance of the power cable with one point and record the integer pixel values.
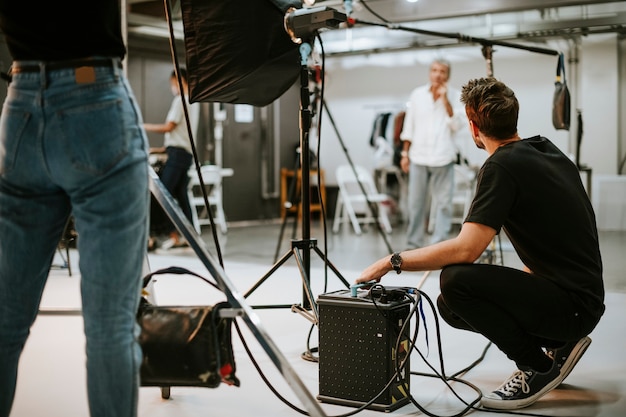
(399, 365)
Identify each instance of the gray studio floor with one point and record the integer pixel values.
(51, 378)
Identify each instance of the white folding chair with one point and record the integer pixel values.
(352, 204)
(212, 178)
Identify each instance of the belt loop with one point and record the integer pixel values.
(42, 75)
(6, 76)
(116, 68)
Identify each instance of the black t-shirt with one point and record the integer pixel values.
(60, 30)
(534, 192)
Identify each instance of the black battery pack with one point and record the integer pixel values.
(360, 347)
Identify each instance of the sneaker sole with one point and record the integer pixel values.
(574, 356)
(568, 365)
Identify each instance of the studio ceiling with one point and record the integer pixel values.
(382, 24)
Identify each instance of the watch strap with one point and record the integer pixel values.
(396, 262)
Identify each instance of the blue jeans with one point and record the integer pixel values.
(74, 148)
(438, 183)
(175, 178)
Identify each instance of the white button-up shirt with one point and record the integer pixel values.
(429, 128)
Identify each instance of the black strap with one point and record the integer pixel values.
(175, 270)
(560, 68)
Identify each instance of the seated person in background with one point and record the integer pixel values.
(539, 317)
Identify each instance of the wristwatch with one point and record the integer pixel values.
(396, 262)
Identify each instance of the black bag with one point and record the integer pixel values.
(561, 100)
(185, 345)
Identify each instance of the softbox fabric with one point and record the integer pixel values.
(238, 51)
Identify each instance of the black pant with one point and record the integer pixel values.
(175, 178)
(519, 312)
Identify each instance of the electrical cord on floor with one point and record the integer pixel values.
(283, 399)
(262, 375)
(441, 374)
(407, 292)
(473, 364)
(454, 377)
(309, 354)
(400, 364)
(469, 406)
(287, 402)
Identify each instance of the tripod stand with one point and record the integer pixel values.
(292, 202)
(301, 249)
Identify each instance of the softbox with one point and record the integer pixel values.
(238, 51)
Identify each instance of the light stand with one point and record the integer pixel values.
(487, 44)
(301, 249)
(291, 202)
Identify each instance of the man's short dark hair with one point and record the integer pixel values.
(492, 106)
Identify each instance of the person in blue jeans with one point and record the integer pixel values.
(72, 142)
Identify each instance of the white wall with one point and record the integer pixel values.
(599, 90)
(358, 88)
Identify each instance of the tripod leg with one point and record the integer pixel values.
(288, 204)
(306, 284)
(269, 273)
(331, 266)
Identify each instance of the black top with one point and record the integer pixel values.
(46, 30)
(533, 191)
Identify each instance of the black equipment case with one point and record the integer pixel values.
(358, 350)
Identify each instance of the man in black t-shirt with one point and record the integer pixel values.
(540, 316)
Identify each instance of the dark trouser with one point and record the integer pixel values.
(519, 312)
(175, 178)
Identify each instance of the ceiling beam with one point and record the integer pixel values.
(399, 11)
